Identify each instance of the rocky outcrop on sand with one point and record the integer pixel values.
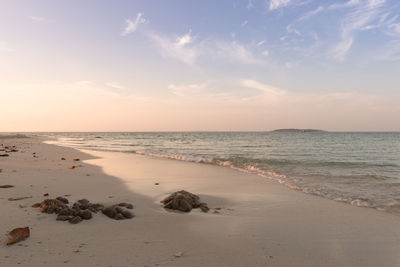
(184, 201)
(82, 209)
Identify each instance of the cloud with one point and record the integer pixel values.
(265, 53)
(117, 88)
(250, 4)
(190, 90)
(4, 47)
(236, 52)
(311, 13)
(41, 19)
(349, 3)
(132, 26)
(244, 23)
(178, 48)
(275, 4)
(260, 43)
(266, 88)
(362, 14)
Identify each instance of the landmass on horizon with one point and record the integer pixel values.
(294, 130)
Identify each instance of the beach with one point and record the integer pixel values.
(252, 221)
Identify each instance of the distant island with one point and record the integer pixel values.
(298, 130)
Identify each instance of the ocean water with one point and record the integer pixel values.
(362, 169)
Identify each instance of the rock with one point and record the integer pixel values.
(71, 167)
(126, 205)
(76, 159)
(17, 235)
(36, 205)
(1, 169)
(119, 216)
(62, 158)
(46, 195)
(63, 218)
(183, 201)
(156, 183)
(85, 214)
(178, 254)
(4, 155)
(75, 220)
(110, 212)
(127, 214)
(204, 208)
(62, 199)
(51, 205)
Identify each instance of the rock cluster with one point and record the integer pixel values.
(82, 210)
(184, 201)
(119, 211)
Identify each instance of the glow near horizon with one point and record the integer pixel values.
(231, 65)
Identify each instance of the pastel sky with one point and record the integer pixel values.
(100, 65)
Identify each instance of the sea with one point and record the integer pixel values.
(358, 168)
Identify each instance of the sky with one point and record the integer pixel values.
(249, 65)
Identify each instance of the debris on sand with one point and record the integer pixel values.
(6, 186)
(184, 201)
(17, 235)
(18, 198)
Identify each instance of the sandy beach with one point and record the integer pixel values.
(252, 221)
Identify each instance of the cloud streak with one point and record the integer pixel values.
(132, 25)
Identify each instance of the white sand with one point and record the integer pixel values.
(261, 223)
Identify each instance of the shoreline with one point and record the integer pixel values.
(259, 223)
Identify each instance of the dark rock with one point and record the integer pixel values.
(46, 195)
(118, 209)
(85, 214)
(63, 199)
(110, 212)
(62, 158)
(63, 218)
(127, 214)
(203, 206)
(4, 155)
(183, 201)
(119, 216)
(36, 205)
(75, 220)
(126, 205)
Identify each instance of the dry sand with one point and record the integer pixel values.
(259, 222)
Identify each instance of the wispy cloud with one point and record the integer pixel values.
(179, 48)
(117, 88)
(190, 90)
(349, 3)
(41, 19)
(244, 23)
(260, 43)
(266, 88)
(311, 13)
(132, 25)
(363, 13)
(250, 4)
(275, 4)
(4, 47)
(234, 51)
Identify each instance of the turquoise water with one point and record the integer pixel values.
(361, 169)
